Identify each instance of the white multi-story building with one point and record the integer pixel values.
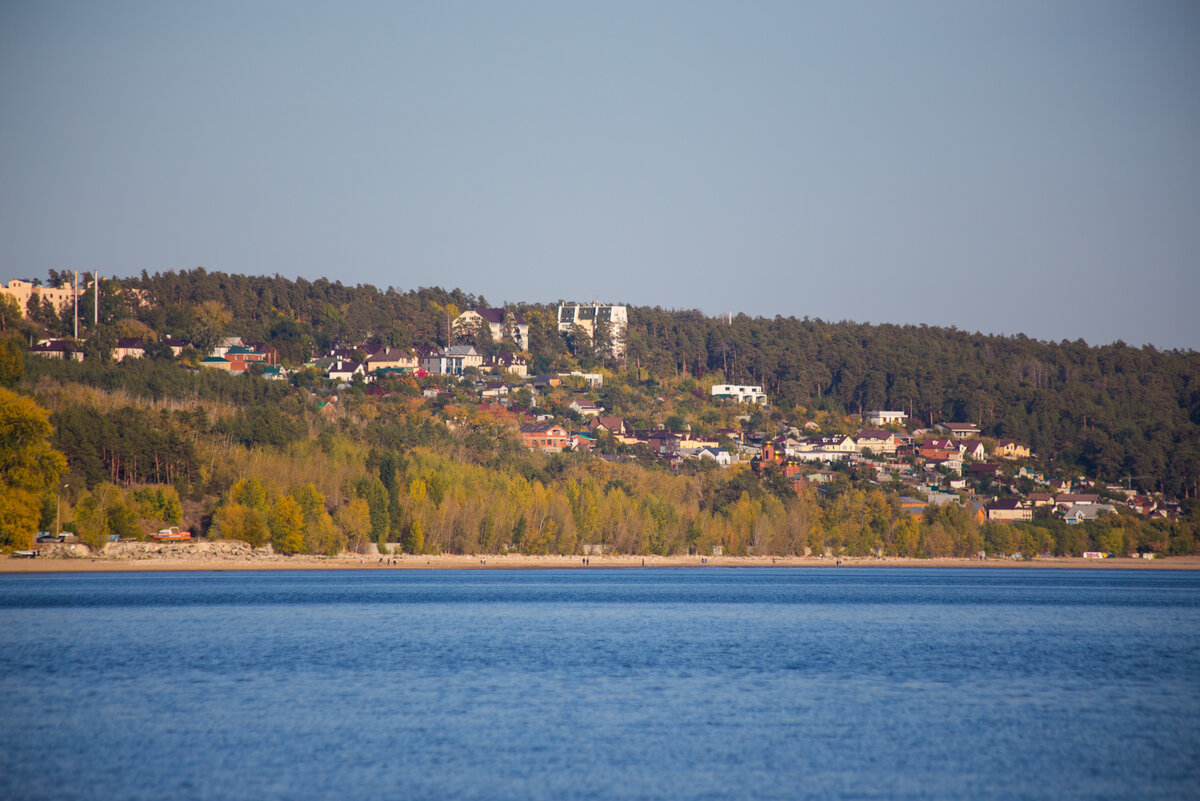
(500, 322)
(743, 393)
(590, 317)
(885, 418)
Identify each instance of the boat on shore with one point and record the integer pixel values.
(172, 534)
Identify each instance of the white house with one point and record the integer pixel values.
(742, 393)
(461, 357)
(586, 408)
(718, 455)
(885, 418)
(345, 371)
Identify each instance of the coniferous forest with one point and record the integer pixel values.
(310, 467)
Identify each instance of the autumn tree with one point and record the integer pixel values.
(29, 467)
(286, 523)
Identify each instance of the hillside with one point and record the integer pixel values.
(313, 468)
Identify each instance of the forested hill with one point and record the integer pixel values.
(1113, 410)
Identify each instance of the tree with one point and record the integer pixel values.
(29, 467)
(354, 522)
(10, 314)
(210, 321)
(235, 521)
(12, 368)
(286, 523)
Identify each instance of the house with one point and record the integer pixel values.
(345, 371)
(265, 352)
(392, 359)
(742, 393)
(225, 344)
(613, 425)
(176, 345)
(664, 443)
(939, 449)
(549, 437)
(961, 430)
(57, 349)
(886, 418)
(834, 442)
(1142, 504)
(128, 348)
(586, 408)
(953, 463)
(1025, 472)
(238, 358)
(460, 358)
(1036, 499)
(500, 323)
(508, 363)
(876, 440)
(1087, 512)
(1008, 510)
(432, 360)
(722, 457)
(219, 363)
(983, 470)
(972, 449)
(1011, 449)
(582, 441)
(938, 498)
(593, 380)
(494, 389)
(242, 356)
(473, 320)
(832, 448)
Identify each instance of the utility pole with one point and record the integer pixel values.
(76, 297)
(96, 279)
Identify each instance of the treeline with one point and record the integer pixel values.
(424, 501)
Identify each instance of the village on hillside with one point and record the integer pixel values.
(995, 479)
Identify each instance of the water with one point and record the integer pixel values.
(623, 684)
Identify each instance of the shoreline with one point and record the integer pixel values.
(167, 562)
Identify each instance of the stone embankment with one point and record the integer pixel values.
(138, 551)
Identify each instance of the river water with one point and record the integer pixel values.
(601, 684)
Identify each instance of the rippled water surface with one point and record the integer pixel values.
(623, 684)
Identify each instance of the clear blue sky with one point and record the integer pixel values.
(1002, 166)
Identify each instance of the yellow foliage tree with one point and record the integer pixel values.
(29, 467)
(287, 526)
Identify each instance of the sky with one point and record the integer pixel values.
(1005, 167)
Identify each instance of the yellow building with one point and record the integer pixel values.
(21, 291)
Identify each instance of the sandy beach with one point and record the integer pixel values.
(140, 557)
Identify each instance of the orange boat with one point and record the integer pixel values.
(172, 534)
